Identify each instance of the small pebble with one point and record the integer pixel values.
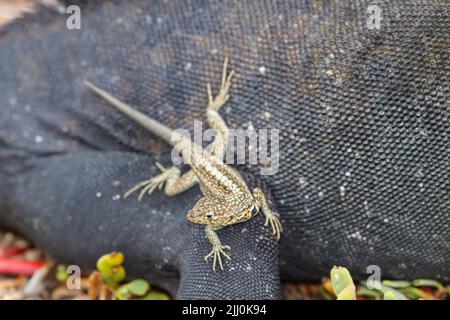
(262, 70)
(342, 190)
(116, 183)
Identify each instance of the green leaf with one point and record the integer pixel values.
(107, 261)
(396, 284)
(348, 293)
(110, 267)
(138, 287)
(391, 293)
(113, 276)
(416, 293)
(61, 273)
(135, 288)
(155, 295)
(342, 283)
(428, 283)
(363, 291)
(122, 293)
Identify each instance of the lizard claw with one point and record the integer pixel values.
(215, 253)
(150, 185)
(274, 219)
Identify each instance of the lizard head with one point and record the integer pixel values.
(214, 211)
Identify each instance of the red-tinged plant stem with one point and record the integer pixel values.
(19, 267)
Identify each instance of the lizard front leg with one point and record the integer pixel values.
(271, 217)
(170, 177)
(217, 249)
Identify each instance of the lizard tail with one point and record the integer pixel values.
(148, 123)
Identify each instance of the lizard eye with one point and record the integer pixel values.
(209, 215)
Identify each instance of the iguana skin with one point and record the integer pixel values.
(361, 180)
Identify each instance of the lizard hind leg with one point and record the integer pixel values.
(215, 103)
(215, 121)
(167, 176)
(272, 218)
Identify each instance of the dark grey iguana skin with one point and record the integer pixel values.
(363, 119)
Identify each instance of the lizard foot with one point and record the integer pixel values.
(271, 217)
(223, 96)
(274, 219)
(150, 185)
(217, 250)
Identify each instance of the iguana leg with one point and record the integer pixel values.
(271, 217)
(218, 249)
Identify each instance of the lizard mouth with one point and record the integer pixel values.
(192, 217)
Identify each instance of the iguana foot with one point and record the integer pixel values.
(217, 250)
(150, 185)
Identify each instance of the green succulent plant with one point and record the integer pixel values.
(344, 288)
(342, 283)
(135, 288)
(111, 269)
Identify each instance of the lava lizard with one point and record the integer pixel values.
(227, 199)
